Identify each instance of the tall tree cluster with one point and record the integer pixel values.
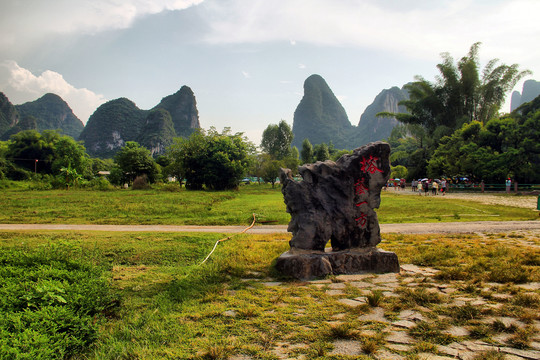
(463, 96)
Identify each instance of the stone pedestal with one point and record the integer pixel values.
(306, 265)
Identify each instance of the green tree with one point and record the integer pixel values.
(134, 160)
(33, 151)
(307, 152)
(276, 140)
(215, 160)
(270, 169)
(70, 154)
(321, 152)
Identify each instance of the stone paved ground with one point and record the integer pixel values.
(463, 316)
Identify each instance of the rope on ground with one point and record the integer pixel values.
(227, 238)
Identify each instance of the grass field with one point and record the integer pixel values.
(183, 207)
(161, 303)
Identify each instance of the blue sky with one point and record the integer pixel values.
(246, 60)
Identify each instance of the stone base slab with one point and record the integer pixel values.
(306, 265)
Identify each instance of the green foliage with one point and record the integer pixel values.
(452, 128)
(398, 172)
(321, 152)
(51, 301)
(134, 160)
(158, 131)
(50, 112)
(276, 140)
(502, 147)
(45, 153)
(110, 126)
(307, 152)
(215, 160)
(270, 169)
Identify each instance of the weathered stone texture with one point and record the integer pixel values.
(334, 202)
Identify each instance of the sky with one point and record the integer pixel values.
(246, 60)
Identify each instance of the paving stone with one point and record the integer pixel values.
(407, 324)
(272, 283)
(509, 321)
(334, 292)
(361, 284)
(530, 286)
(448, 290)
(230, 313)
(387, 355)
(324, 281)
(418, 270)
(399, 347)
(535, 345)
(399, 337)
(361, 299)
(369, 333)
(339, 316)
(429, 356)
(502, 297)
(501, 338)
(377, 314)
(478, 302)
(346, 347)
(354, 277)
(526, 354)
(390, 294)
(447, 350)
(350, 302)
(457, 331)
(411, 315)
(335, 286)
(385, 278)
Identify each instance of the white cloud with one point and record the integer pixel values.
(246, 74)
(301, 66)
(419, 29)
(31, 20)
(20, 85)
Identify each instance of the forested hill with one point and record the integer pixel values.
(118, 121)
(49, 112)
(321, 118)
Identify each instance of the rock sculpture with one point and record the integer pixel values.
(334, 202)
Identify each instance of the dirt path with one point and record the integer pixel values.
(523, 201)
(421, 228)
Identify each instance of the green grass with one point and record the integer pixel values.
(161, 206)
(172, 307)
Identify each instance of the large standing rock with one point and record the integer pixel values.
(334, 202)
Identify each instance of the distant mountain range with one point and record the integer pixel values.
(110, 126)
(47, 112)
(321, 118)
(531, 90)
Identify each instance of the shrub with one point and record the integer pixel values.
(141, 183)
(50, 302)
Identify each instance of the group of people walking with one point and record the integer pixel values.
(424, 185)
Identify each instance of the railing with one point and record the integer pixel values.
(479, 187)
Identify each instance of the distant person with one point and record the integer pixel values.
(434, 188)
(402, 184)
(414, 185)
(443, 186)
(425, 186)
(508, 185)
(419, 186)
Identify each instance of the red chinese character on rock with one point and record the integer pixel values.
(362, 220)
(360, 188)
(368, 165)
